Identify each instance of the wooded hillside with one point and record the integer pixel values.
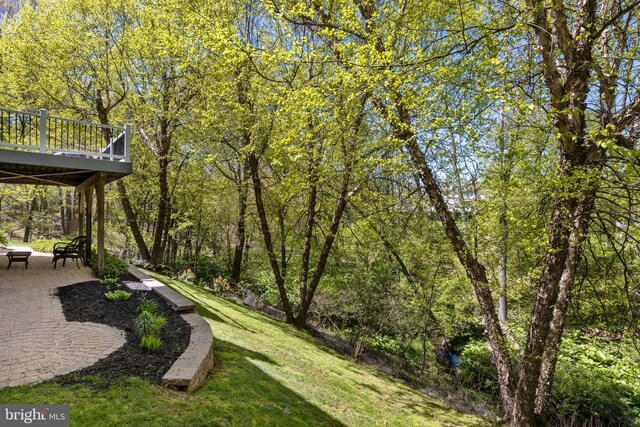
(419, 179)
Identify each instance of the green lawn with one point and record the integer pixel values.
(265, 373)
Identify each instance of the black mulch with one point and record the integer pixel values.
(86, 302)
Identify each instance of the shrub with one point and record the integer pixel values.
(147, 305)
(163, 269)
(3, 239)
(148, 324)
(220, 284)
(118, 295)
(150, 342)
(43, 245)
(207, 269)
(114, 267)
(257, 287)
(476, 367)
(596, 383)
(384, 344)
(141, 263)
(588, 396)
(187, 276)
(110, 282)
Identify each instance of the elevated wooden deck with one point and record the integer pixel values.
(36, 148)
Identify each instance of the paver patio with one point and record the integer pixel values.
(36, 342)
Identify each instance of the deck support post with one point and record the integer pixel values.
(128, 131)
(88, 193)
(100, 213)
(43, 130)
(80, 213)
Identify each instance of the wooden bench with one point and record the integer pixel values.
(18, 256)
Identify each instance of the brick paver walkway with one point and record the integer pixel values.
(36, 342)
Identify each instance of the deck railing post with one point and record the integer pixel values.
(43, 130)
(127, 143)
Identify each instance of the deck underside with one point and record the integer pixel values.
(21, 167)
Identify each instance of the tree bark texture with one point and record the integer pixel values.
(243, 194)
(29, 221)
(163, 210)
(132, 221)
(254, 166)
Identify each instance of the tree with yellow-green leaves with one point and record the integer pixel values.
(403, 49)
(304, 131)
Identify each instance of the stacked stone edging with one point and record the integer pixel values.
(190, 370)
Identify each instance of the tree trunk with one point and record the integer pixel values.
(103, 116)
(502, 266)
(29, 222)
(243, 190)
(580, 221)
(554, 337)
(284, 263)
(341, 204)
(72, 212)
(163, 211)
(165, 250)
(569, 224)
(247, 247)
(63, 212)
(306, 244)
(474, 269)
(539, 321)
(343, 199)
(132, 221)
(252, 159)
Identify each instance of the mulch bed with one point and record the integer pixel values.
(86, 302)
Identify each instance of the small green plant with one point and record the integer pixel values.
(150, 342)
(110, 282)
(147, 305)
(114, 267)
(3, 239)
(118, 295)
(148, 323)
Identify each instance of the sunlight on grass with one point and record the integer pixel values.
(354, 394)
(266, 373)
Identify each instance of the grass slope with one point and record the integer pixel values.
(266, 373)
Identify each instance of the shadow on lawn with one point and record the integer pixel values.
(251, 396)
(201, 295)
(248, 390)
(219, 317)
